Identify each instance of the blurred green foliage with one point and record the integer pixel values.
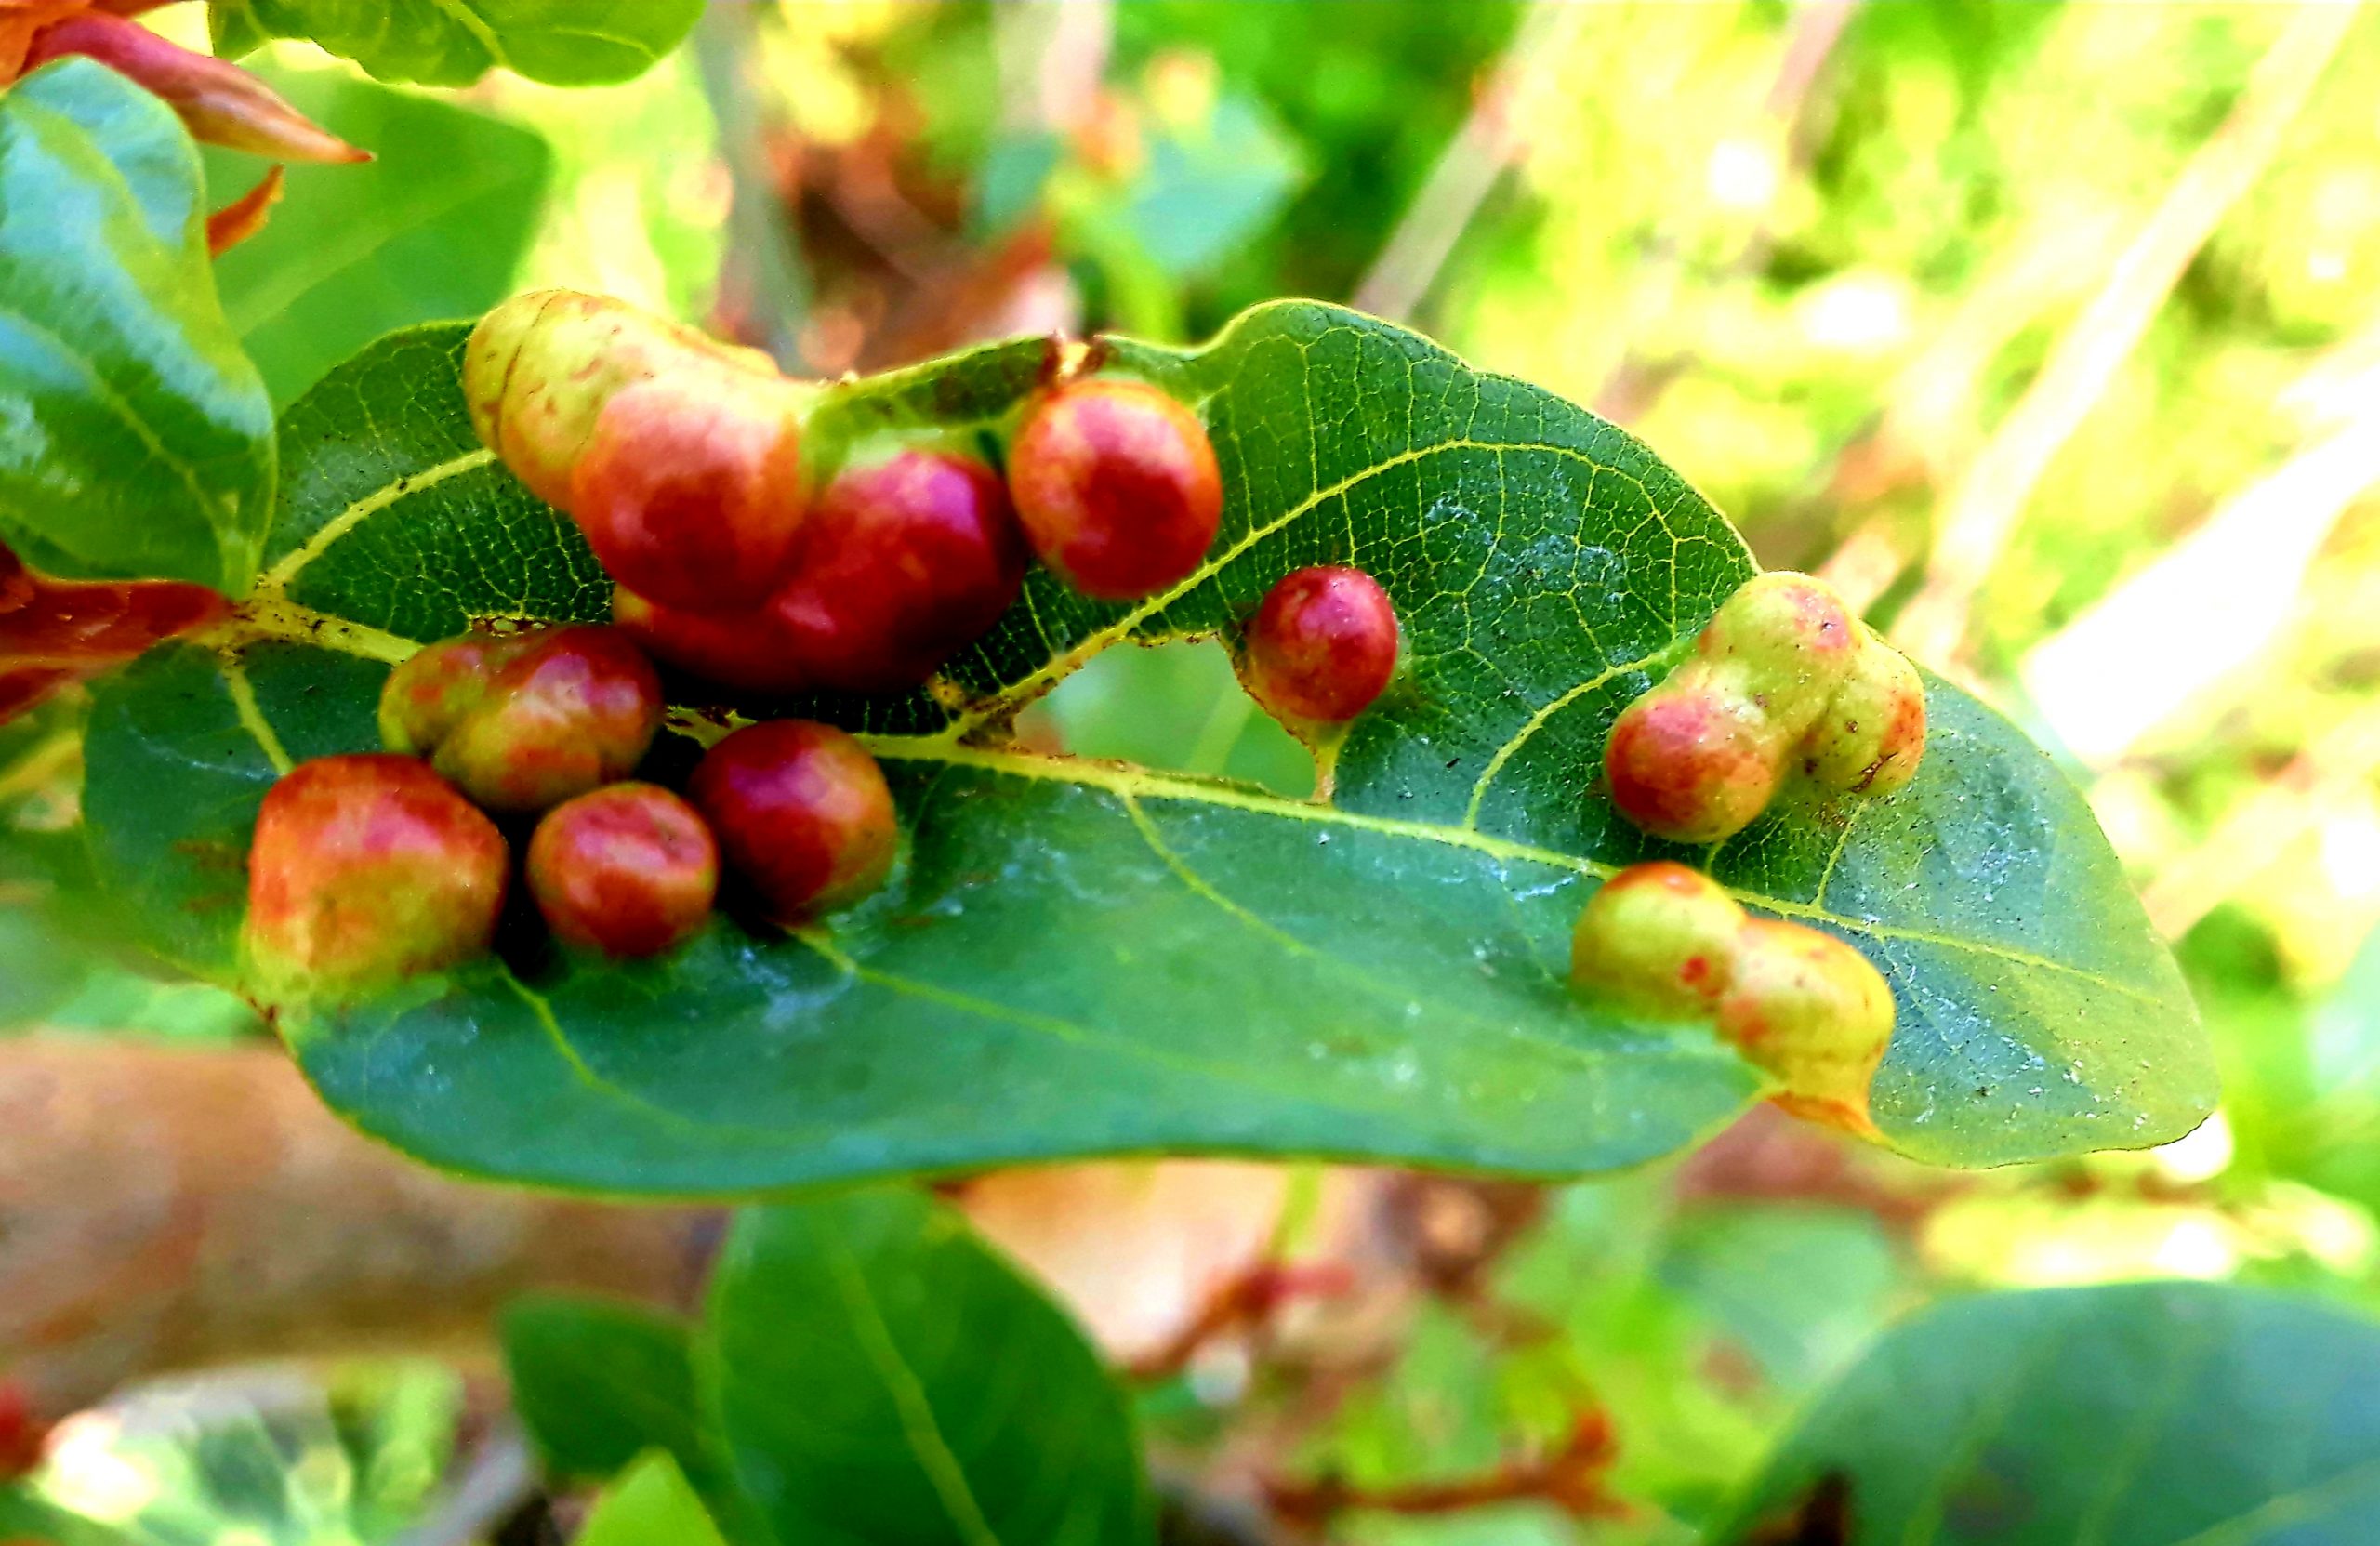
(262, 1458)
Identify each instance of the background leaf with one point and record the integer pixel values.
(2208, 1413)
(880, 1374)
(136, 440)
(597, 1383)
(650, 1505)
(456, 41)
(433, 227)
(1080, 958)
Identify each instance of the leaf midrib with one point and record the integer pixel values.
(1040, 681)
(1129, 780)
(287, 622)
(920, 1429)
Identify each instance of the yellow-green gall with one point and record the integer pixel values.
(1663, 941)
(1657, 938)
(1783, 679)
(1872, 733)
(678, 456)
(1812, 1012)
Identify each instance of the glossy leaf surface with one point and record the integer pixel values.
(136, 441)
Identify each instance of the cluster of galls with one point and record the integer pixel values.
(1666, 942)
(682, 462)
(1804, 1007)
(370, 868)
(738, 561)
(1783, 680)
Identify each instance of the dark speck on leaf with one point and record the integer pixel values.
(207, 853)
(1823, 1518)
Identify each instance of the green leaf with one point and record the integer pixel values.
(28, 1518)
(456, 41)
(599, 1383)
(1799, 1289)
(651, 1505)
(2148, 1414)
(136, 440)
(1080, 958)
(433, 227)
(880, 1374)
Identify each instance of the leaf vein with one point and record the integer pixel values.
(243, 693)
(275, 582)
(1537, 721)
(1040, 681)
(1122, 778)
(943, 1470)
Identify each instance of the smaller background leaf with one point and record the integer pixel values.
(2137, 1415)
(882, 1375)
(1798, 1288)
(650, 1505)
(456, 41)
(599, 1383)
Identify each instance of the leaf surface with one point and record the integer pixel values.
(650, 1505)
(598, 1383)
(2208, 1413)
(880, 1374)
(1087, 957)
(135, 441)
(456, 41)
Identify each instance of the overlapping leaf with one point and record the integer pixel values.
(2150, 1414)
(879, 1373)
(1085, 958)
(135, 441)
(650, 1505)
(456, 41)
(867, 1370)
(598, 1383)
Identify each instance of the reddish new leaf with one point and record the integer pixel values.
(221, 103)
(244, 216)
(19, 19)
(56, 631)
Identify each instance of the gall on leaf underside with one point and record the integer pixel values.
(1078, 958)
